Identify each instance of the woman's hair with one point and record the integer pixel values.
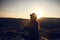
(33, 16)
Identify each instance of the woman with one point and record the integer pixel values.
(33, 28)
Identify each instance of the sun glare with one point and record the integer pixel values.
(38, 13)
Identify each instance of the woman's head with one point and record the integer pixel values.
(33, 16)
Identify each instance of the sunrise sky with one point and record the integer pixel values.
(23, 8)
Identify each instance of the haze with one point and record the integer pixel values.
(23, 8)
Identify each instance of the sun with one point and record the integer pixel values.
(38, 13)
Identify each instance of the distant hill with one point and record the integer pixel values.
(12, 23)
(45, 23)
(51, 24)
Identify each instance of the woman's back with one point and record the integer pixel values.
(32, 27)
(33, 31)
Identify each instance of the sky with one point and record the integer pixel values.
(23, 8)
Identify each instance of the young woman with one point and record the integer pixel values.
(32, 27)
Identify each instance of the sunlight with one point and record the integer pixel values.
(38, 13)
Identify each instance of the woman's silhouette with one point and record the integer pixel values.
(32, 27)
